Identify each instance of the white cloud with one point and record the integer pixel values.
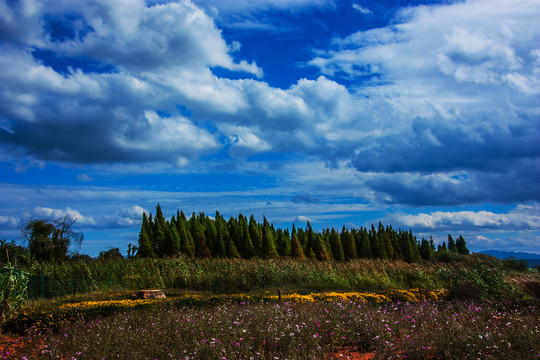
(8, 222)
(243, 139)
(361, 9)
(126, 217)
(523, 217)
(302, 219)
(58, 214)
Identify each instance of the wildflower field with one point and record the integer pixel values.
(328, 328)
(288, 310)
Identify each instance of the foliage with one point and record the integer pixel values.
(113, 253)
(239, 275)
(50, 241)
(13, 284)
(512, 263)
(16, 254)
(204, 237)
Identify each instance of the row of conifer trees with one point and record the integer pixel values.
(240, 237)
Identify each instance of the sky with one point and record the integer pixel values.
(423, 115)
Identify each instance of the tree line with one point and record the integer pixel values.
(240, 237)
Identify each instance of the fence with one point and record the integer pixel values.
(43, 286)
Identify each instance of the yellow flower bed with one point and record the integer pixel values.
(54, 316)
(84, 305)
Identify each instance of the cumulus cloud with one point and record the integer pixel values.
(155, 56)
(302, 219)
(126, 217)
(58, 214)
(451, 88)
(522, 217)
(457, 124)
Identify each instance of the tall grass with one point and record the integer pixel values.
(234, 276)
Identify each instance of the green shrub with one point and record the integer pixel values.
(13, 285)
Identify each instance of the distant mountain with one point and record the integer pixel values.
(532, 259)
(506, 254)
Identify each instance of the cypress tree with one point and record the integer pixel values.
(461, 246)
(451, 243)
(160, 228)
(283, 243)
(268, 246)
(215, 237)
(171, 245)
(310, 238)
(425, 250)
(197, 232)
(362, 244)
(232, 252)
(255, 235)
(245, 246)
(319, 249)
(296, 249)
(349, 245)
(187, 246)
(336, 246)
(145, 248)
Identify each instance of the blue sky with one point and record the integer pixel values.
(423, 115)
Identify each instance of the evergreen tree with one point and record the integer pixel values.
(426, 251)
(432, 244)
(268, 246)
(441, 248)
(385, 242)
(145, 247)
(336, 246)
(232, 252)
(461, 246)
(283, 243)
(215, 237)
(296, 249)
(309, 239)
(247, 250)
(255, 236)
(363, 246)
(187, 246)
(319, 249)
(349, 245)
(451, 243)
(171, 245)
(160, 228)
(407, 246)
(197, 232)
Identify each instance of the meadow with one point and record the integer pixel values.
(476, 308)
(319, 329)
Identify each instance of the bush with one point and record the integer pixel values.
(13, 284)
(512, 263)
(465, 291)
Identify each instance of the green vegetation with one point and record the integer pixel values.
(243, 289)
(203, 237)
(486, 274)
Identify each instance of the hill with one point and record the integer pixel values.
(532, 259)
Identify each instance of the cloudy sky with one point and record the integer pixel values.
(420, 114)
